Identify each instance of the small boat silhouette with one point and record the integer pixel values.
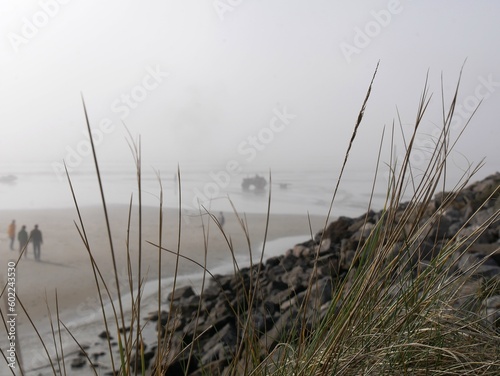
(256, 183)
(8, 179)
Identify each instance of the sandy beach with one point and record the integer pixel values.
(65, 263)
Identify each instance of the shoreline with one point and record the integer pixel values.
(65, 264)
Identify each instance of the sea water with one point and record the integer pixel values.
(292, 192)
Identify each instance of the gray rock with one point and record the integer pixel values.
(493, 317)
(346, 255)
(282, 331)
(279, 297)
(321, 292)
(492, 302)
(79, 362)
(325, 245)
(272, 261)
(181, 292)
(213, 353)
(363, 232)
(339, 229)
(475, 263)
(296, 278)
(226, 336)
(300, 251)
(288, 262)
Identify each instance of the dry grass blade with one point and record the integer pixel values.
(98, 277)
(160, 242)
(82, 349)
(351, 142)
(60, 337)
(136, 151)
(37, 332)
(53, 332)
(106, 216)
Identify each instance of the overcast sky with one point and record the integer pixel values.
(267, 83)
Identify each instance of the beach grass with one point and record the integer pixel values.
(390, 315)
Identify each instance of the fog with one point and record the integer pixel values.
(243, 84)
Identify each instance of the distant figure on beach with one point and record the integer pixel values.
(36, 239)
(11, 231)
(221, 219)
(22, 237)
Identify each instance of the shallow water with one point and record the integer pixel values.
(292, 192)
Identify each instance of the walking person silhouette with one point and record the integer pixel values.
(36, 239)
(221, 219)
(11, 231)
(22, 237)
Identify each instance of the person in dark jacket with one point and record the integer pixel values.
(36, 239)
(22, 237)
(221, 219)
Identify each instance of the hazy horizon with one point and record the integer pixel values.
(264, 85)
